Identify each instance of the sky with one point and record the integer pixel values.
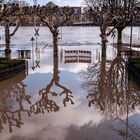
(59, 2)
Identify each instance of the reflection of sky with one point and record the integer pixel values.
(66, 125)
(76, 121)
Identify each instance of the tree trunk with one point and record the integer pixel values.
(119, 40)
(7, 40)
(103, 39)
(103, 48)
(55, 65)
(55, 56)
(102, 81)
(119, 46)
(55, 43)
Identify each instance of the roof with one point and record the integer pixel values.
(50, 4)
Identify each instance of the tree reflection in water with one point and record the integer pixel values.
(12, 97)
(45, 103)
(95, 82)
(111, 89)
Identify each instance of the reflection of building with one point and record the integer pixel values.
(76, 56)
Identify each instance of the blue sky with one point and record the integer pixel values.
(59, 2)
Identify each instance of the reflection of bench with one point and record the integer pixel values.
(24, 54)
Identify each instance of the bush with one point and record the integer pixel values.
(136, 63)
(135, 60)
(6, 63)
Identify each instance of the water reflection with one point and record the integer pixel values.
(36, 59)
(112, 91)
(53, 89)
(76, 121)
(109, 87)
(12, 98)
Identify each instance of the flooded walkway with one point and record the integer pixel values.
(72, 95)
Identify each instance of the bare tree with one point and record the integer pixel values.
(116, 13)
(125, 11)
(54, 17)
(99, 12)
(7, 23)
(8, 15)
(51, 16)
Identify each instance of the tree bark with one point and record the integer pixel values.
(7, 40)
(103, 48)
(119, 46)
(55, 65)
(119, 30)
(102, 82)
(103, 39)
(55, 43)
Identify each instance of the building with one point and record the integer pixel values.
(76, 16)
(1, 1)
(20, 2)
(29, 20)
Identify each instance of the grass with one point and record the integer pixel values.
(6, 63)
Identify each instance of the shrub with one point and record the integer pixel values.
(6, 63)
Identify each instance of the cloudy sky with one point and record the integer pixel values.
(59, 2)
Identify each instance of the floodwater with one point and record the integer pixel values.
(72, 95)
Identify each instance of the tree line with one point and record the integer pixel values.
(51, 16)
